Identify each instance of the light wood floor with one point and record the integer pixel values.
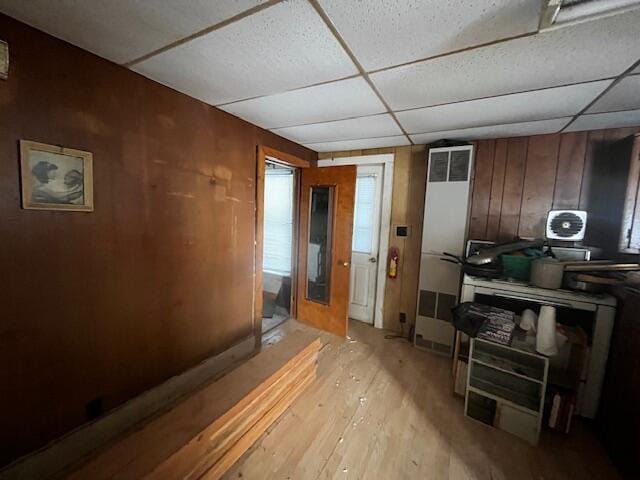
(381, 409)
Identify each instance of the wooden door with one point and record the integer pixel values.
(366, 239)
(324, 255)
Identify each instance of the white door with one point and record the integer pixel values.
(366, 240)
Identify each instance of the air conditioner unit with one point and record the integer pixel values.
(444, 230)
(566, 225)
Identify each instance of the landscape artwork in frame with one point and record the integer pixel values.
(55, 178)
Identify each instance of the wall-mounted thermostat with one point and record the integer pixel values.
(402, 230)
(4, 60)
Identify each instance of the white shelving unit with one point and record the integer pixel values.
(506, 387)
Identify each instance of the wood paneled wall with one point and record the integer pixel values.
(518, 180)
(102, 306)
(407, 207)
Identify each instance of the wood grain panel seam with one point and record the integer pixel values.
(555, 175)
(587, 154)
(504, 181)
(524, 176)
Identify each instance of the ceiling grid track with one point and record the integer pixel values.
(622, 76)
(202, 33)
(363, 72)
(422, 106)
(326, 82)
(419, 86)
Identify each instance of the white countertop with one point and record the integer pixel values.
(525, 289)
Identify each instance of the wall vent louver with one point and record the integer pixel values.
(439, 167)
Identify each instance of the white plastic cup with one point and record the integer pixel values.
(546, 342)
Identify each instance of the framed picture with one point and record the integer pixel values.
(4, 60)
(55, 178)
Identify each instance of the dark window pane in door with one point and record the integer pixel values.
(319, 244)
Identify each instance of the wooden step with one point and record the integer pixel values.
(209, 430)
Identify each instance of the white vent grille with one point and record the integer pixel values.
(439, 167)
(459, 169)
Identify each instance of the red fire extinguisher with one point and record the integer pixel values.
(394, 258)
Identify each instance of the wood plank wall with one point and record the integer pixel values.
(409, 182)
(518, 180)
(99, 307)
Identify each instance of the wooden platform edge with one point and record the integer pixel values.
(55, 458)
(143, 451)
(207, 444)
(240, 447)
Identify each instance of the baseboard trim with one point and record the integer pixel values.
(53, 459)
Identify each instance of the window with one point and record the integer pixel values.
(363, 221)
(278, 220)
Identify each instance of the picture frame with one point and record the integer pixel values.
(55, 178)
(4, 60)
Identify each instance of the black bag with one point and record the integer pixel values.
(472, 318)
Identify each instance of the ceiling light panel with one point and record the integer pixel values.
(495, 131)
(625, 95)
(518, 107)
(332, 101)
(364, 143)
(596, 121)
(382, 33)
(584, 52)
(122, 30)
(352, 129)
(283, 47)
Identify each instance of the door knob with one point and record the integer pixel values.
(373, 259)
(344, 264)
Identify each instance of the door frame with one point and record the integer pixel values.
(387, 161)
(263, 155)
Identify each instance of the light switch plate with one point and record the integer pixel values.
(4, 60)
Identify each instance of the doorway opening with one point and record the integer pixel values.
(278, 244)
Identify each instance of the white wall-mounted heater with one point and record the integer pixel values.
(444, 230)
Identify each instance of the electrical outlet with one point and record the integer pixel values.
(403, 317)
(94, 408)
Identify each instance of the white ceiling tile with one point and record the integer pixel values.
(331, 101)
(596, 121)
(283, 47)
(382, 33)
(122, 30)
(577, 53)
(623, 96)
(351, 129)
(360, 144)
(518, 107)
(495, 131)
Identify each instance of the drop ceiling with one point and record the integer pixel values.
(346, 74)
